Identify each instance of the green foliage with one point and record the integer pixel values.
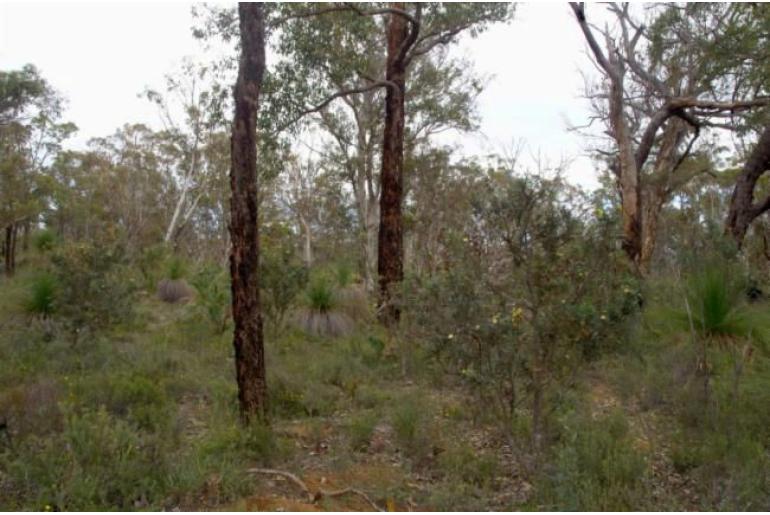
(95, 291)
(97, 462)
(41, 300)
(409, 421)
(176, 268)
(361, 430)
(282, 278)
(213, 299)
(595, 467)
(44, 240)
(320, 295)
(463, 463)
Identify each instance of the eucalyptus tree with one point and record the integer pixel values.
(441, 96)
(30, 136)
(657, 86)
(248, 339)
(411, 32)
(192, 109)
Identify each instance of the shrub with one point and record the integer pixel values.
(98, 462)
(95, 291)
(282, 277)
(41, 301)
(361, 430)
(409, 428)
(463, 463)
(44, 240)
(594, 468)
(213, 287)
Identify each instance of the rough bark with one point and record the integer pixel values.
(390, 266)
(743, 210)
(244, 223)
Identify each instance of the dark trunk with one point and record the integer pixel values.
(742, 208)
(9, 250)
(244, 228)
(390, 252)
(25, 237)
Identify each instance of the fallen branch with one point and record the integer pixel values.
(320, 494)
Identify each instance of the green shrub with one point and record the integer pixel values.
(361, 429)
(283, 277)
(44, 240)
(594, 468)
(410, 427)
(176, 268)
(320, 295)
(97, 463)
(463, 463)
(41, 301)
(136, 397)
(95, 290)
(213, 299)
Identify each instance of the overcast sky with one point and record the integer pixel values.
(101, 55)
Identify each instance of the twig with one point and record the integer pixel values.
(320, 494)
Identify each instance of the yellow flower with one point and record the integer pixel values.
(450, 336)
(517, 315)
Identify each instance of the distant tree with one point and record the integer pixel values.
(29, 137)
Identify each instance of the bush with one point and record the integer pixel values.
(213, 299)
(44, 241)
(41, 301)
(463, 463)
(361, 430)
(595, 468)
(282, 277)
(98, 462)
(95, 292)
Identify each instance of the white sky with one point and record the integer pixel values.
(102, 55)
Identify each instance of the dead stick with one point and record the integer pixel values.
(320, 494)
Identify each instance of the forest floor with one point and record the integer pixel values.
(344, 416)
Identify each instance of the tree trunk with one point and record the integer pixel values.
(742, 208)
(390, 254)
(307, 243)
(9, 250)
(653, 205)
(244, 223)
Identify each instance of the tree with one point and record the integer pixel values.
(248, 337)
(743, 209)
(653, 95)
(202, 102)
(29, 137)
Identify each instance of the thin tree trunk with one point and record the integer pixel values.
(244, 223)
(307, 241)
(742, 208)
(390, 255)
(7, 251)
